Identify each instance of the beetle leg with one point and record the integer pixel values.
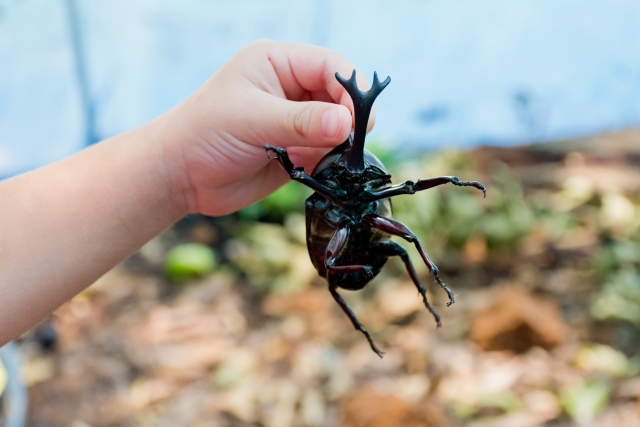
(396, 228)
(334, 250)
(298, 174)
(410, 187)
(356, 323)
(281, 156)
(388, 248)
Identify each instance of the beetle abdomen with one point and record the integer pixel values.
(320, 229)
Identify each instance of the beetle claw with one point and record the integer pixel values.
(376, 350)
(481, 187)
(268, 148)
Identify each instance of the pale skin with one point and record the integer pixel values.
(65, 225)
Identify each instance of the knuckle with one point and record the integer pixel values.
(300, 120)
(257, 46)
(339, 56)
(372, 121)
(262, 43)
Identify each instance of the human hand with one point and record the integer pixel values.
(281, 94)
(206, 156)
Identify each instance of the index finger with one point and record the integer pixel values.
(305, 69)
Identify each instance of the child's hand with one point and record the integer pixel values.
(273, 93)
(66, 224)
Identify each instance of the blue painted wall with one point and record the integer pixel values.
(464, 72)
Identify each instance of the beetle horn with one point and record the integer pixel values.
(362, 104)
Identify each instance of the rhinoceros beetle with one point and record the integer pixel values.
(348, 217)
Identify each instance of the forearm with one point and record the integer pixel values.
(63, 226)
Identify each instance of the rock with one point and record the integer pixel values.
(518, 321)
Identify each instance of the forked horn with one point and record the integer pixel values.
(362, 104)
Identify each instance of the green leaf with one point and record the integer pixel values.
(3, 378)
(583, 402)
(189, 260)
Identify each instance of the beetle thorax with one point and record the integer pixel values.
(354, 183)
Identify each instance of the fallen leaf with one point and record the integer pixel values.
(518, 321)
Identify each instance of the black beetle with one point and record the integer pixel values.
(349, 215)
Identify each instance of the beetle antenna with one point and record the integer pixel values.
(362, 104)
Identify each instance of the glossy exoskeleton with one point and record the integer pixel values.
(348, 218)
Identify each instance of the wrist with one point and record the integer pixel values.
(165, 145)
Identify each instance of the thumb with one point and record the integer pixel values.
(306, 124)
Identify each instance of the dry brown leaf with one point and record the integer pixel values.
(518, 321)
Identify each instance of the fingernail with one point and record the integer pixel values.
(331, 123)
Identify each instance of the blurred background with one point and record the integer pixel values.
(224, 322)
